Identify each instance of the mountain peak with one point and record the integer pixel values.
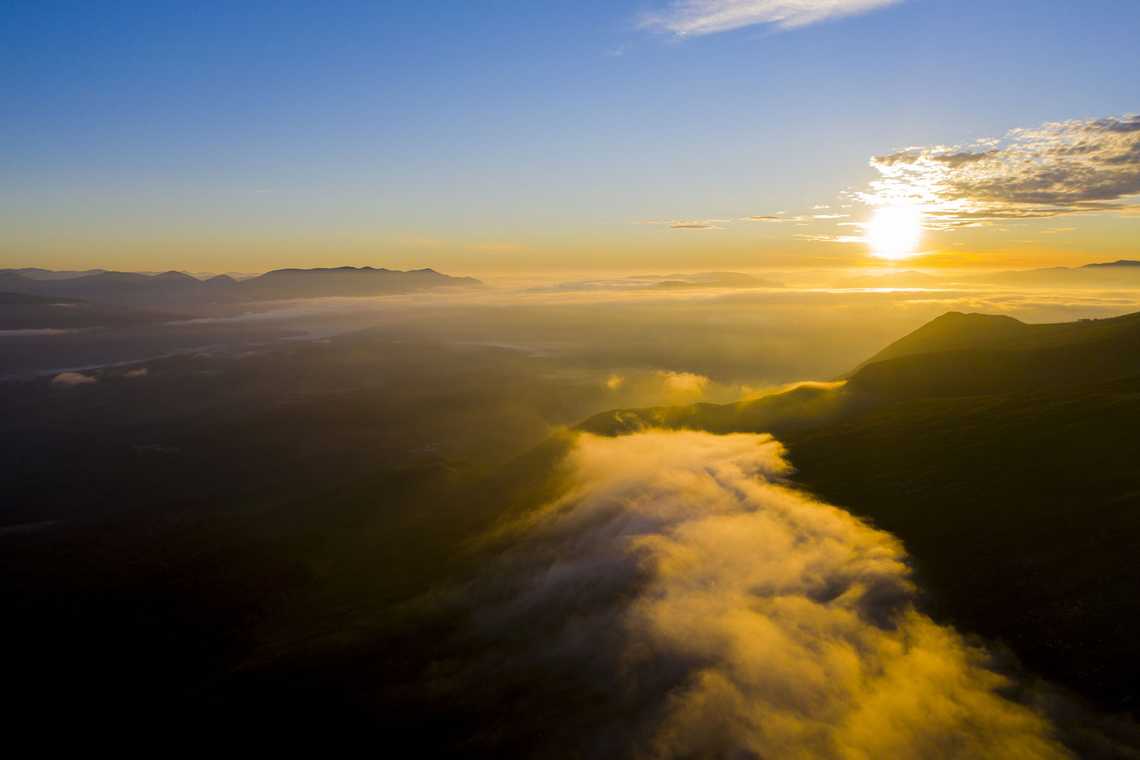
(173, 276)
(1117, 263)
(976, 354)
(953, 331)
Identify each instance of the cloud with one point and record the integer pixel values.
(706, 609)
(614, 382)
(719, 224)
(137, 372)
(688, 224)
(832, 238)
(799, 218)
(694, 226)
(73, 378)
(1056, 169)
(683, 382)
(689, 18)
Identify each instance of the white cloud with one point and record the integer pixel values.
(687, 383)
(1056, 169)
(729, 615)
(686, 18)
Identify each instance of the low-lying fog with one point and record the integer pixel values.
(651, 339)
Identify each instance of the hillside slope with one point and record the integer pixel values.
(1004, 455)
(975, 354)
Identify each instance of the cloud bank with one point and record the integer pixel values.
(688, 18)
(1058, 168)
(700, 608)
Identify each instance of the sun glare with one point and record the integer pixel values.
(894, 232)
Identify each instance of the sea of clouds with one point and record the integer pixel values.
(681, 599)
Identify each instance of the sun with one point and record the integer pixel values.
(894, 232)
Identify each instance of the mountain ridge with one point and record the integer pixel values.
(137, 289)
(1007, 467)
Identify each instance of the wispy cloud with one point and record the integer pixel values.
(1056, 169)
(694, 226)
(779, 217)
(832, 238)
(689, 18)
(688, 224)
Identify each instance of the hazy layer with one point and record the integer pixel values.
(649, 344)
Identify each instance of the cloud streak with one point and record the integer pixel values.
(1059, 168)
(688, 224)
(69, 379)
(691, 18)
(726, 614)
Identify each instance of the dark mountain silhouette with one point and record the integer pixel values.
(116, 288)
(973, 354)
(1117, 263)
(953, 331)
(1124, 273)
(38, 273)
(183, 290)
(1003, 454)
(343, 281)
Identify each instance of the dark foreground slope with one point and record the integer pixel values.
(1004, 455)
(300, 539)
(203, 540)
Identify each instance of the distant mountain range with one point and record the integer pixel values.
(1124, 273)
(177, 289)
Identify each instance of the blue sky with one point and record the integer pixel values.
(474, 134)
